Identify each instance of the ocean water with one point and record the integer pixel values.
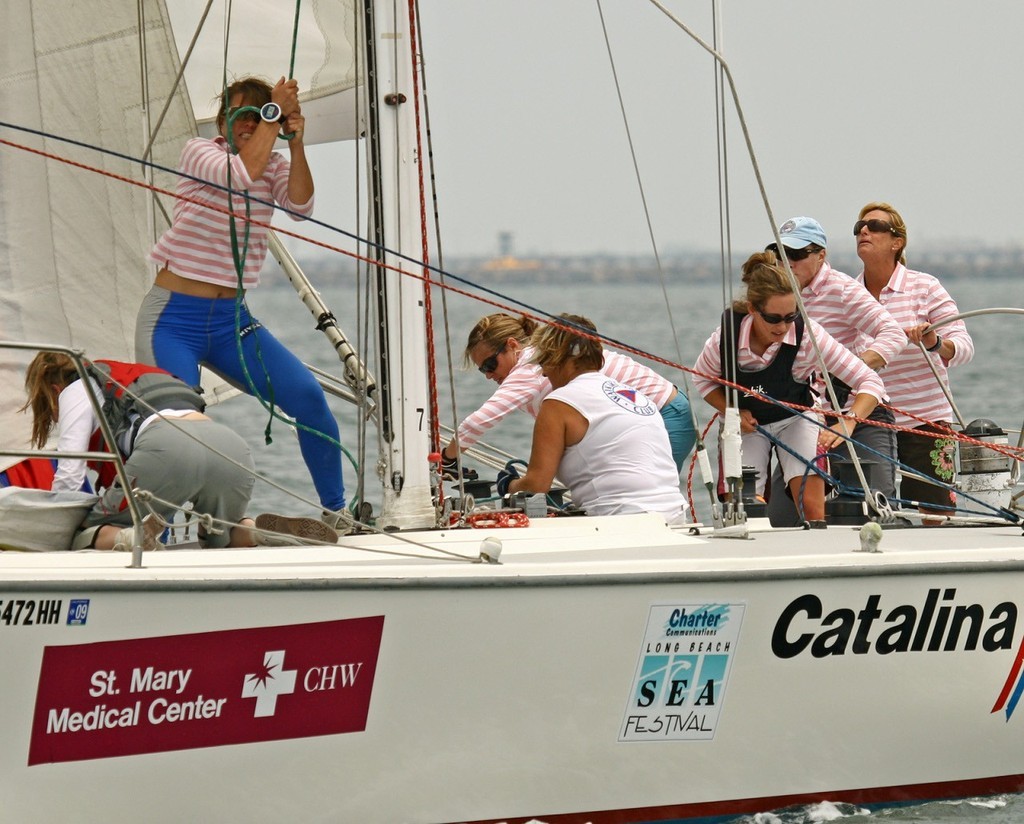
(636, 315)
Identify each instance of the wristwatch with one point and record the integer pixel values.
(271, 113)
(936, 345)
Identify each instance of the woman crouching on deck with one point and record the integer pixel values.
(175, 452)
(762, 346)
(604, 440)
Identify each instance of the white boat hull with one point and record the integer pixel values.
(515, 691)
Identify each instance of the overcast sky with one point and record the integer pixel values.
(918, 102)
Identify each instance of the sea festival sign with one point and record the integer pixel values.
(207, 689)
(682, 672)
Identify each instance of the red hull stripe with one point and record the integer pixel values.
(720, 810)
(1011, 679)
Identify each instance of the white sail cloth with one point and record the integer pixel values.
(73, 242)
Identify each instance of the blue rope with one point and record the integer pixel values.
(856, 492)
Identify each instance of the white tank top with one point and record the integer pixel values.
(624, 462)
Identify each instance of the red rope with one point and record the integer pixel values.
(498, 519)
(435, 412)
(1014, 452)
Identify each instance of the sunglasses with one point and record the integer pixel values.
(794, 255)
(491, 363)
(874, 225)
(770, 318)
(244, 117)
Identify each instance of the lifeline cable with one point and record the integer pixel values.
(505, 303)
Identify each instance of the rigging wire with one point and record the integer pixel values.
(503, 302)
(724, 214)
(364, 322)
(415, 57)
(639, 179)
(728, 81)
(239, 254)
(446, 324)
(650, 225)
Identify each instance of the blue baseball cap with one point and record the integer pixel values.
(798, 232)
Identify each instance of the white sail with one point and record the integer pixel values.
(259, 41)
(73, 243)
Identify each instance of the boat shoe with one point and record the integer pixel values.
(281, 530)
(151, 527)
(341, 521)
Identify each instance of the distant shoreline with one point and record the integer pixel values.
(952, 264)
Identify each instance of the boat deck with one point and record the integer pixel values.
(588, 550)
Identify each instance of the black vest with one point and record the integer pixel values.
(775, 380)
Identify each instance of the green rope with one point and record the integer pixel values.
(238, 258)
(295, 39)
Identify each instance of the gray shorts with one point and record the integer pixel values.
(174, 467)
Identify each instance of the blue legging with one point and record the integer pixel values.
(179, 332)
(679, 423)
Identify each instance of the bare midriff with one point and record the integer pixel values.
(166, 279)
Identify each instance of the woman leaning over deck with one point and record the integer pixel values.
(603, 439)
(177, 453)
(916, 300)
(499, 347)
(763, 345)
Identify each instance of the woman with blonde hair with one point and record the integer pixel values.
(916, 300)
(762, 344)
(603, 439)
(499, 347)
(159, 456)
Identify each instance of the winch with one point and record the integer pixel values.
(984, 472)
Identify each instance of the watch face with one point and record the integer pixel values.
(270, 112)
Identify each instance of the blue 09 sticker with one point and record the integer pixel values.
(78, 612)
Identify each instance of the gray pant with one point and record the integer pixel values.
(175, 468)
(880, 475)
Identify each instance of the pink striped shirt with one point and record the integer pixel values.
(198, 243)
(525, 387)
(913, 298)
(839, 360)
(850, 314)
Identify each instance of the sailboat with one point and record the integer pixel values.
(601, 669)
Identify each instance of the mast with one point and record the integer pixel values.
(398, 228)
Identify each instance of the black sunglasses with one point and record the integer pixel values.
(874, 225)
(770, 318)
(793, 254)
(491, 363)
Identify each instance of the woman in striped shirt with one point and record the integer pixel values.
(916, 300)
(763, 345)
(499, 348)
(195, 314)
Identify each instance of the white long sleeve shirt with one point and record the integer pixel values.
(75, 424)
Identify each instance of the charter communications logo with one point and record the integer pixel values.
(942, 622)
(682, 672)
(208, 689)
